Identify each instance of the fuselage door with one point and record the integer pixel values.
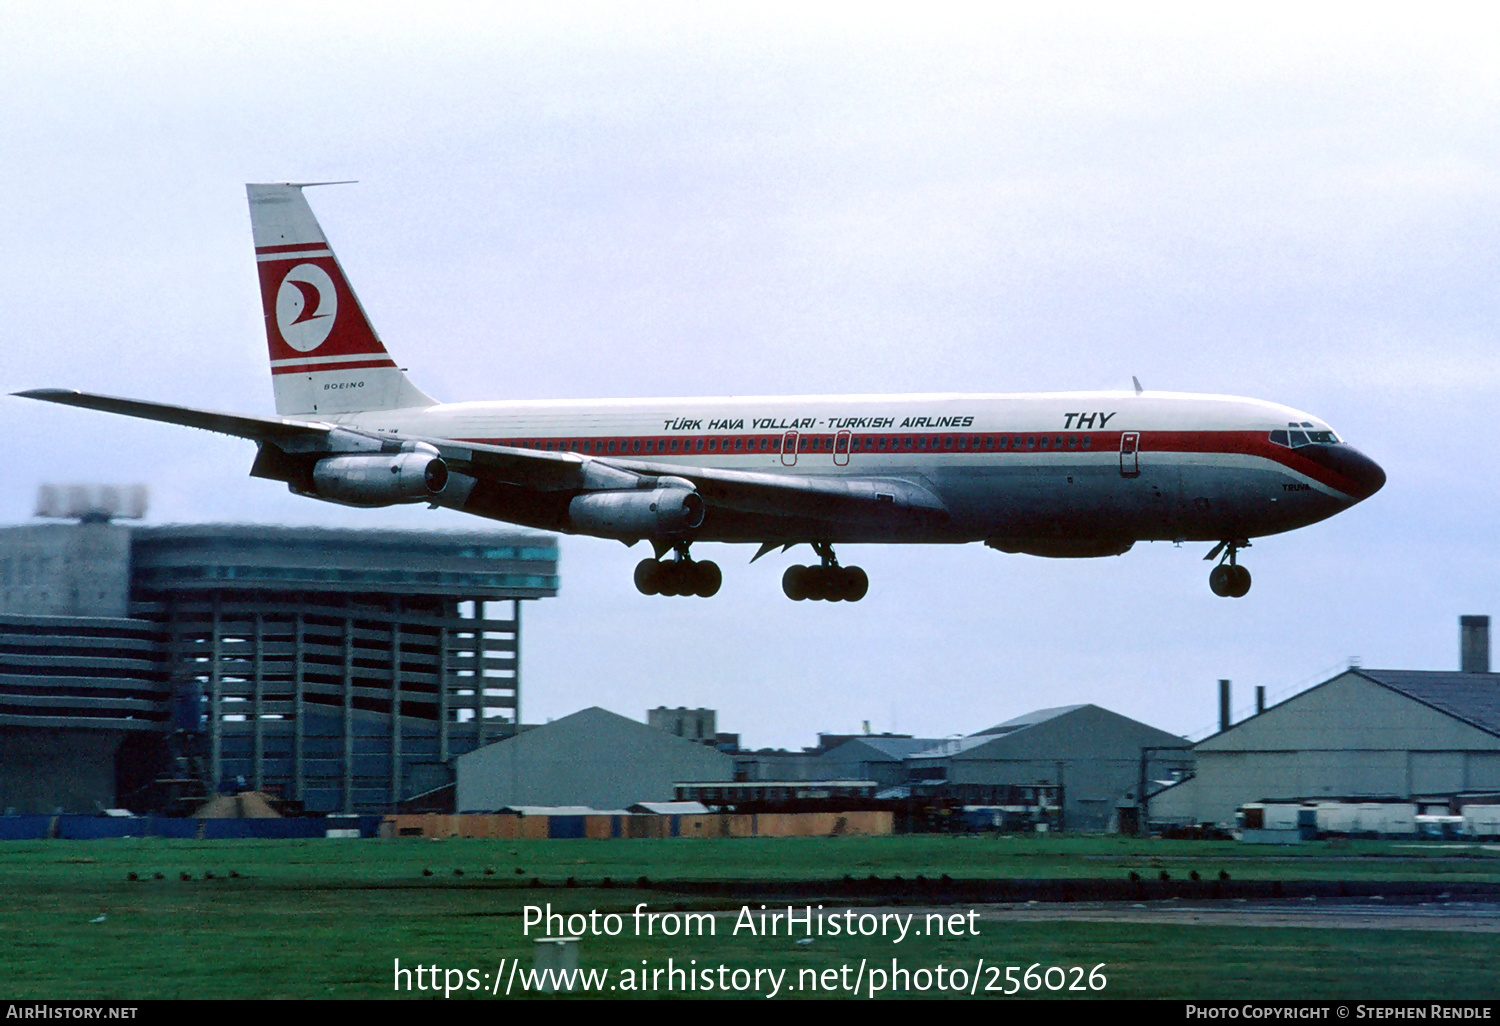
(789, 449)
(841, 449)
(1130, 450)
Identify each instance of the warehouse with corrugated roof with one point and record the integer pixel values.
(1407, 734)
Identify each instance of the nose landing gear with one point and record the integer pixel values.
(1229, 579)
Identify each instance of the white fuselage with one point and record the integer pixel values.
(1008, 468)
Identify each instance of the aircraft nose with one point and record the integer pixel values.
(1363, 476)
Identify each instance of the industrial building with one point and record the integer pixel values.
(1363, 734)
(874, 757)
(338, 670)
(1070, 767)
(593, 758)
(1082, 761)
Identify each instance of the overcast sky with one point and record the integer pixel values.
(1299, 204)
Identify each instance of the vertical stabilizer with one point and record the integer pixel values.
(325, 357)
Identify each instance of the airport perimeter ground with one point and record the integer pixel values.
(343, 919)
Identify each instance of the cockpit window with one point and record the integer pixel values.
(1299, 434)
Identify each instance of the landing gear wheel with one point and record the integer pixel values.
(856, 583)
(648, 576)
(1219, 580)
(1229, 580)
(674, 578)
(1239, 584)
(678, 577)
(793, 582)
(825, 583)
(706, 579)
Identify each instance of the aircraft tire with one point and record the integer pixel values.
(794, 583)
(1221, 580)
(856, 583)
(707, 577)
(673, 578)
(825, 583)
(648, 577)
(1239, 584)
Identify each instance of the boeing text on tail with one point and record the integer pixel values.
(1061, 474)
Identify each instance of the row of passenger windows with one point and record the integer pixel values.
(1303, 434)
(809, 443)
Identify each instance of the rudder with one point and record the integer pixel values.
(325, 356)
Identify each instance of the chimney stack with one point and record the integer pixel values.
(1223, 705)
(1474, 644)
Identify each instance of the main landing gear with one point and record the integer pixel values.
(1229, 579)
(830, 582)
(681, 576)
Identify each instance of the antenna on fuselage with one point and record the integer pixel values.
(1137, 381)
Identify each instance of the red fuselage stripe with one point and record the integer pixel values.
(861, 444)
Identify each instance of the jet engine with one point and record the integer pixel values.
(630, 516)
(379, 480)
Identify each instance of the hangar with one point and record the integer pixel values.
(1084, 755)
(592, 758)
(1363, 733)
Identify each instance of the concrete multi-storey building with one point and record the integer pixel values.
(342, 670)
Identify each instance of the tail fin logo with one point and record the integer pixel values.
(306, 307)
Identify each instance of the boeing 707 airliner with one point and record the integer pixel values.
(1059, 474)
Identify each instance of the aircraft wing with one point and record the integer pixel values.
(858, 499)
(861, 499)
(255, 428)
(518, 466)
(848, 499)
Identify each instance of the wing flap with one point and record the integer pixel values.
(845, 499)
(824, 497)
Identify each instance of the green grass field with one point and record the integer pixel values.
(330, 919)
